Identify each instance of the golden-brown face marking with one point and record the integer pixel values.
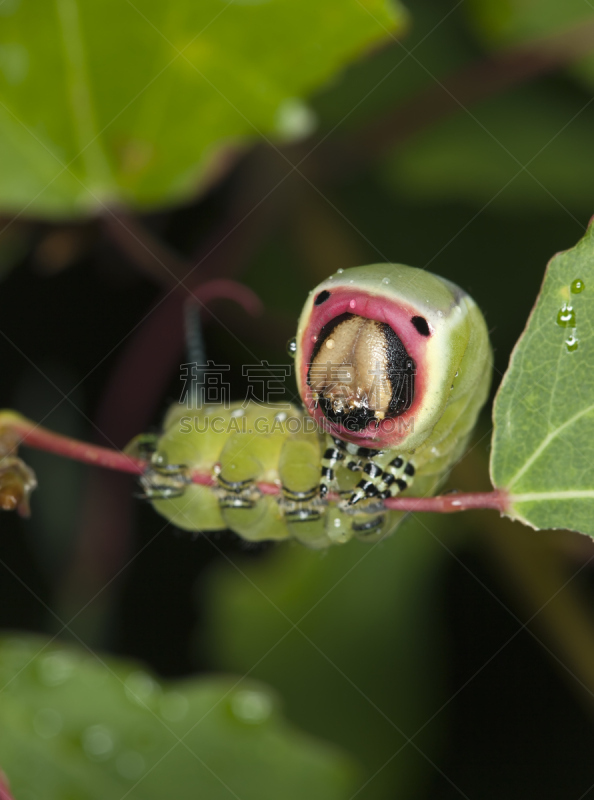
(355, 370)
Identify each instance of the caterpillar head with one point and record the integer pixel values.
(381, 350)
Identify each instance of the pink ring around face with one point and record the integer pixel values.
(390, 432)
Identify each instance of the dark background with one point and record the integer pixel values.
(72, 295)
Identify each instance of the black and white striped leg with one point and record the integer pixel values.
(367, 486)
(397, 477)
(329, 461)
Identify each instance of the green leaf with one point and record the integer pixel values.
(358, 666)
(143, 102)
(544, 410)
(77, 726)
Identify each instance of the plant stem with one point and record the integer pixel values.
(32, 435)
(449, 503)
(4, 790)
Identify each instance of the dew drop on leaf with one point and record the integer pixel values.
(56, 668)
(566, 316)
(251, 707)
(577, 286)
(97, 742)
(572, 343)
(140, 687)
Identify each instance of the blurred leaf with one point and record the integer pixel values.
(74, 726)
(437, 44)
(510, 22)
(544, 411)
(480, 155)
(141, 102)
(359, 666)
(517, 20)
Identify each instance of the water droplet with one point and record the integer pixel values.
(97, 742)
(281, 416)
(130, 765)
(578, 286)
(47, 723)
(386, 281)
(251, 706)
(56, 668)
(340, 271)
(292, 346)
(294, 119)
(566, 316)
(352, 303)
(440, 313)
(237, 412)
(572, 343)
(173, 706)
(331, 278)
(140, 687)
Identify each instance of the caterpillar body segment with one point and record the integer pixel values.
(240, 448)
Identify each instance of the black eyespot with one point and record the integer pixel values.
(321, 298)
(420, 324)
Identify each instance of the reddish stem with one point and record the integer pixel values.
(449, 503)
(4, 790)
(32, 435)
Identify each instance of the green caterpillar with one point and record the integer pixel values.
(393, 365)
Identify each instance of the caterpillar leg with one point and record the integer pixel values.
(246, 511)
(160, 481)
(339, 453)
(302, 507)
(332, 456)
(396, 477)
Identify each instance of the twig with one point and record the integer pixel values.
(4, 790)
(32, 435)
(449, 503)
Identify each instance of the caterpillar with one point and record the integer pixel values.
(393, 365)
